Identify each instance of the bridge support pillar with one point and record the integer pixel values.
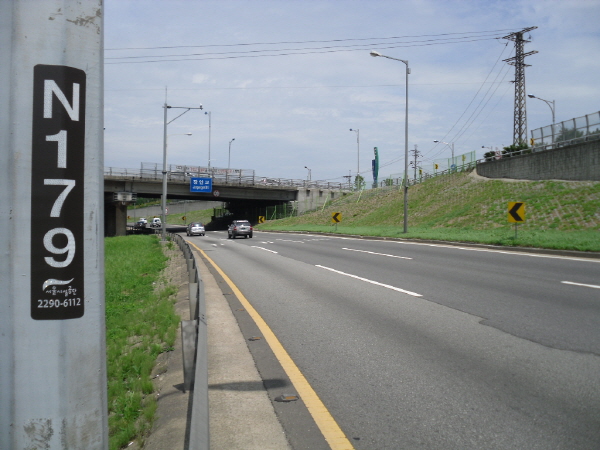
(115, 218)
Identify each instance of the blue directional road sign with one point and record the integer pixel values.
(200, 184)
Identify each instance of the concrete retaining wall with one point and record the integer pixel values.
(313, 198)
(578, 162)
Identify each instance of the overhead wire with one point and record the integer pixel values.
(305, 42)
(468, 123)
(473, 115)
(341, 47)
(298, 51)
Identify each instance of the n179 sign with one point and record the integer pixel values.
(57, 194)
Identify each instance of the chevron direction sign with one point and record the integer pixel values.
(516, 212)
(336, 217)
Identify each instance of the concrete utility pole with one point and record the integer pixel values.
(52, 330)
(520, 111)
(416, 154)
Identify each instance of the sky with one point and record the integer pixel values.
(289, 79)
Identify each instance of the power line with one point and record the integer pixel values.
(303, 42)
(287, 52)
(458, 134)
(362, 47)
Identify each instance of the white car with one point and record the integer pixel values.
(156, 223)
(195, 228)
(239, 228)
(143, 220)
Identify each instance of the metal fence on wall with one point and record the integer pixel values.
(442, 164)
(579, 129)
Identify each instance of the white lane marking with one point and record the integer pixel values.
(378, 254)
(593, 286)
(394, 288)
(491, 250)
(290, 240)
(265, 249)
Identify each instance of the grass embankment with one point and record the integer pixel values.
(466, 208)
(202, 215)
(140, 324)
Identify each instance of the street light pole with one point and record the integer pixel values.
(229, 159)
(552, 109)
(164, 171)
(357, 150)
(309, 175)
(449, 145)
(209, 129)
(374, 54)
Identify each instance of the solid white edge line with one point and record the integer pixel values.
(387, 286)
(470, 249)
(593, 286)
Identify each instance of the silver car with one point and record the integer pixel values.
(239, 228)
(195, 228)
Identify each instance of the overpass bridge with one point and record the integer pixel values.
(243, 194)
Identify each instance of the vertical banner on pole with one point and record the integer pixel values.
(375, 166)
(52, 330)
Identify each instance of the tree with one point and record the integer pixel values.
(567, 134)
(489, 156)
(359, 182)
(513, 150)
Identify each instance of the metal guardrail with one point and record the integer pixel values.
(194, 337)
(222, 179)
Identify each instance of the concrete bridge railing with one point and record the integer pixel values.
(220, 179)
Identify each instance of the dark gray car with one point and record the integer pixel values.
(239, 228)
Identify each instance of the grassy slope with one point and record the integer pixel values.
(465, 207)
(140, 324)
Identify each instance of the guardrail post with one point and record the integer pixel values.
(193, 291)
(188, 346)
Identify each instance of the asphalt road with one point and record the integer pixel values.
(431, 346)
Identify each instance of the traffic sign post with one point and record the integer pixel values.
(516, 214)
(52, 348)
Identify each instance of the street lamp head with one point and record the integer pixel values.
(531, 96)
(188, 134)
(374, 53)
(436, 141)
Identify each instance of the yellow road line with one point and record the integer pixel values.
(332, 432)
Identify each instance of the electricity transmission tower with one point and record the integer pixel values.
(520, 128)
